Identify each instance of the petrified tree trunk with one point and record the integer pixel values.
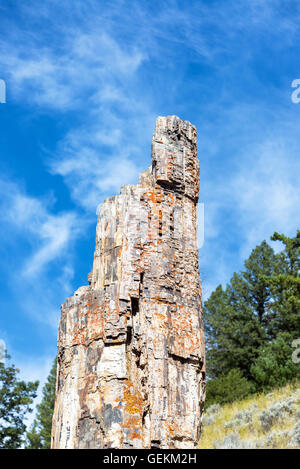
(130, 345)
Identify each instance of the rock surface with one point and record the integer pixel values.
(130, 345)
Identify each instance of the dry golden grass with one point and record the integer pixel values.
(251, 429)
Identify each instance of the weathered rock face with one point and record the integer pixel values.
(130, 345)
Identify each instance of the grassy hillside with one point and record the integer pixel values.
(262, 421)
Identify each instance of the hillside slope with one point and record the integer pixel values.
(262, 421)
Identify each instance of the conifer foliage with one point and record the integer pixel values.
(16, 397)
(252, 323)
(39, 436)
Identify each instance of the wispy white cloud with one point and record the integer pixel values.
(89, 177)
(49, 234)
(62, 79)
(98, 63)
(253, 195)
(56, 233)
(94, 72)
(114, 65)
(49, 239)
(266, 192)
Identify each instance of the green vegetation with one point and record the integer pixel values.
(16, 398)
(261, 421)
(232, 386)
(39, 436)
(250, 326)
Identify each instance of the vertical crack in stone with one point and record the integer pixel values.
(130, 344)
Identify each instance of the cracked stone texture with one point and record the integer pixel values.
(131, 345)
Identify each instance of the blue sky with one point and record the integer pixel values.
(85, 82)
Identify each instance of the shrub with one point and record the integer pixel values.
(295, 435)
(274, 366)
(274, 439)
(244, 417)
(210, 414)
(228, 388)
(277, 411)
(232, 441)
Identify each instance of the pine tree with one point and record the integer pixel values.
(251, 325)
(16, 397)
(39, 436)
(274, 365)
(236, 318)
(285, 287)
(228, 388)
(261, 265)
